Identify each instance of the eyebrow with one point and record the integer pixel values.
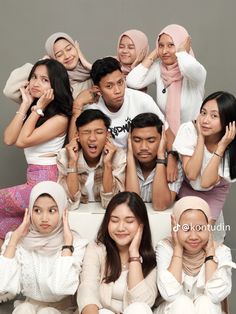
(113, 216)
(63, 48)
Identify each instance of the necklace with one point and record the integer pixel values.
(125, 266)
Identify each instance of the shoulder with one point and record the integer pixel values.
(187, 128)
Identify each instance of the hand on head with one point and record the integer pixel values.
(186, 45)
(27, 99)
(23, 228)
(72, 149)
(135, 244)
(109, 149)
(68, 236)
(228, 137)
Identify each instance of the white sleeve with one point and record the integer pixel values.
(141, 76)
(64, 279)
(167, 284)
(185, 140)
(191, 68)
(218, 287)
(16, 80)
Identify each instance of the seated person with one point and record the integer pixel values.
(146, 162)
(119, 103)
(91, 167)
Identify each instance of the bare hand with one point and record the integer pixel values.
(209, 247)
(154, 55)
(174, 232)
(45, 99)
(109, 150)
(185, 45)
(68, 236)
(72, 149)
(87, 65)
(139, 57)
(228, 137)
(172, 168)
(23, 228)
(130, 147)
(87, 96)
(27, 99)
(163, 143)
(135, 244)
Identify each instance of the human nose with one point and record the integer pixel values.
(121, 226)
(144, 145)
(45, 216)
(193, 234)
(92, 136)
(117, 89)
(165, 49)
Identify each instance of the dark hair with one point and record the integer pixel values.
(226, 103)
(90, 115)
(102, 67)
(113, 262)
(147, 119)
(59, 80)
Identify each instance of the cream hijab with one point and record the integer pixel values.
(192, 263)
(79, 73)
(47, 244)
(140, 41)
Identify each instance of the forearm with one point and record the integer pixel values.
(193, 166)
(210, 174)
(77, 109)
(12, 131)
(11, 247)
(27, 130)
(131, 179)
(161, 194)
(176, 264)
(135, 274)
(107, 180)
(170, 139)
(210, 265)
(90, 309)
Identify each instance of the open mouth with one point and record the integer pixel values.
(92, 148)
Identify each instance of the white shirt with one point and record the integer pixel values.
(135, 102)
(41, 277)
(194, 77)
(216, 288)
(185, 143)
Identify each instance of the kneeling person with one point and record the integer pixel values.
(146, 162)
(91, 167)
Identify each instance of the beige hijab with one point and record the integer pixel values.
(47, 244)
(79, 73)
(192, 263)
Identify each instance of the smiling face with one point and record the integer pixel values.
(45, 215)
(126, 51)
(39, 81)
(145, 143)
(92, 138)
(209, 119)
(112, 89)
(66, 53)
(193, 233)
(166, 49)
(122, 226)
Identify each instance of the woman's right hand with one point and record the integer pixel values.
(46, 98)
(27, 99)
(174, 232)
(23, 228)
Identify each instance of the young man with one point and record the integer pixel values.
(91, 167)
(146, 162)
(110, 95)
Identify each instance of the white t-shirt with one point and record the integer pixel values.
(135, 102)
(185, 144)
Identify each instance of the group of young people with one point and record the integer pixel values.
(121, 148)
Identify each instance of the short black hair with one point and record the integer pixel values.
(102, 67)
(90, 115)
(147, 119)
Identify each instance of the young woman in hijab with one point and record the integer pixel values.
(119, 273)
(40, 127)
(193, 273)
(42, 258)
(64, 49)
(208, 148)
(179, 77)
(132, 48)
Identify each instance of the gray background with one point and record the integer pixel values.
(25, 25)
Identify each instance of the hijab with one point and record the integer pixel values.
(140, 41)
(172, 77)
(192, 263)
(47, 244)
(79, 73)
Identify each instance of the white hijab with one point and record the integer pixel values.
(47, 244)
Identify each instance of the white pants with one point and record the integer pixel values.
(184, 304)
(134, 308)
(29, 308)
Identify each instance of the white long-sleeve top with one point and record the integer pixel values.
(42, 277)
(216, 288)
(194, 77)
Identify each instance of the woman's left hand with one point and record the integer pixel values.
(185, 45)
(139, 57)
(209, 247)
(45, 99)
(68, 236)
(228, 137)
(135, 244)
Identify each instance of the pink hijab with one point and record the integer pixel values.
(47, 244)
(172, 77)
(79, 73)
(140, 41)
